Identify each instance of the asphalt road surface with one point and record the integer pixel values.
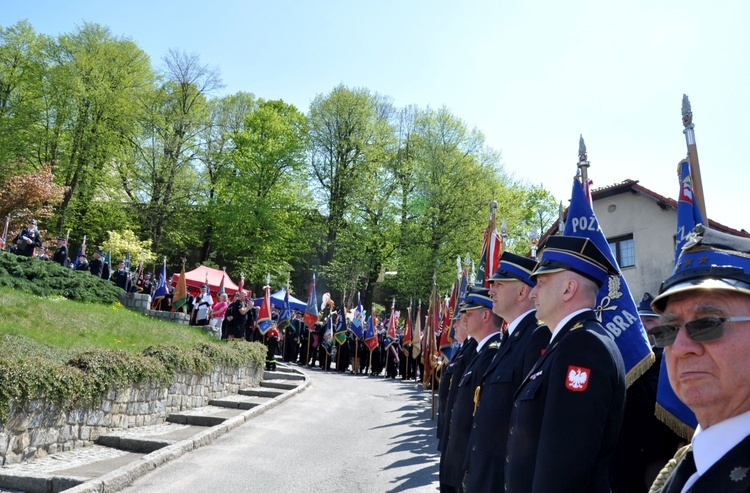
(345, 433)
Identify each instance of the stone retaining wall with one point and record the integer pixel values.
(141, 304)
(41, 428)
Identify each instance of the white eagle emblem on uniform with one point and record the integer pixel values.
(578, 378)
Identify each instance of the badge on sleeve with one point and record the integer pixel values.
(578, 378)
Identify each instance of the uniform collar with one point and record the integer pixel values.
(512, 326)
(565, 321)
(711, 444)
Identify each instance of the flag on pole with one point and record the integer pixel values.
(408, 332)
(107, 270)
(179, 297)
(416, 345)
(264, 313)
(221, 284)
(615, 307)
(357, 326)
(447, 331)
(161, 286)
(669, 408)
(340, 333)
(311, 310)
(285, 317)
(81, 251)
(371, 336)
(429, 335)
(327, 341)
(390, 333)
(492, 246)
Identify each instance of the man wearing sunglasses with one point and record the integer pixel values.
(704, 329)
(567, 412)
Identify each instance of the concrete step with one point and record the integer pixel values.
(258, 392)
(243, 402)
(204, 416)
(278, 384)
(282, 375)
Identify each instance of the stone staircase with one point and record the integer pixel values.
(118, 458)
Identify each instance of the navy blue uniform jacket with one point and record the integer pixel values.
(567, 414)
(485, 457)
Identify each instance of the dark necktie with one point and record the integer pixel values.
(682, 473)
(504, 337)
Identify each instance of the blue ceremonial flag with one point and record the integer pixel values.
(161, 285)
(615, 308)
(371, 337)
(285, 317)
(357, 326)
(264, 312)
(669, 408)
(688, 214)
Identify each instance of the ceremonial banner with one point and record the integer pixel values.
(390, 333)
(161, 286)
(341, 329)
(371, 336)
(179, 297)
(264, 313)
(492, 246)
(285, 318)
(615, 308)
(669, 408)
(408, 334)
(357, 325)
(416, 345)
(311, 310)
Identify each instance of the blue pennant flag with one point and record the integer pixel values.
(161, 285)
(357, 325)
(285, 317)
(669, 408)
(615, 308)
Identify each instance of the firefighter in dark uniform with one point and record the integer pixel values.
(83, 263)
(704, 309)
(450, 375)
(522, 345)
(28, 240)
(568, 410)
(61, 254)
(96, 266)
(485, 327)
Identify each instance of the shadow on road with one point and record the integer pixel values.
(420, 441)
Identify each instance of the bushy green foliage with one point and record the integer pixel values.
(41, 278)
(30, 369)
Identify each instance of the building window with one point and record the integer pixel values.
(624, 250)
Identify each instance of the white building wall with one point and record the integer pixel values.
(653, 230)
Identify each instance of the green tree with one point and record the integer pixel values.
(349, 133)
(260, 194)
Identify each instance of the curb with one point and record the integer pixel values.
(124, 476)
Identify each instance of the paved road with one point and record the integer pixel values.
(345, 433)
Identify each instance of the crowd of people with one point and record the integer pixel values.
(535, 399)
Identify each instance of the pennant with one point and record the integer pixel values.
(416, 345)
(221, 284)
(311, 310)
(81, 251)
(341, 329)
(615, 308)
(180, 295)
(447, 331)
(408, 332)
(390, 333)
(161, 286)
(669, 408)
(357, 325)
(371, 336)
(264, 313)
(285, 317)
(327, 341)
(492, 246)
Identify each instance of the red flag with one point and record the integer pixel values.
(407, 328)
(311, 310)
(264, 313)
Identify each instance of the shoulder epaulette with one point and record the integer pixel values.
(579, 325)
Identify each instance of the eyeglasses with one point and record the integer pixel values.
(700, 330)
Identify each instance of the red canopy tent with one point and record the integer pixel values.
(198, 276)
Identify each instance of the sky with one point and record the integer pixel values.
(530, 75)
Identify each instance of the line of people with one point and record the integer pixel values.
(534, 399)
